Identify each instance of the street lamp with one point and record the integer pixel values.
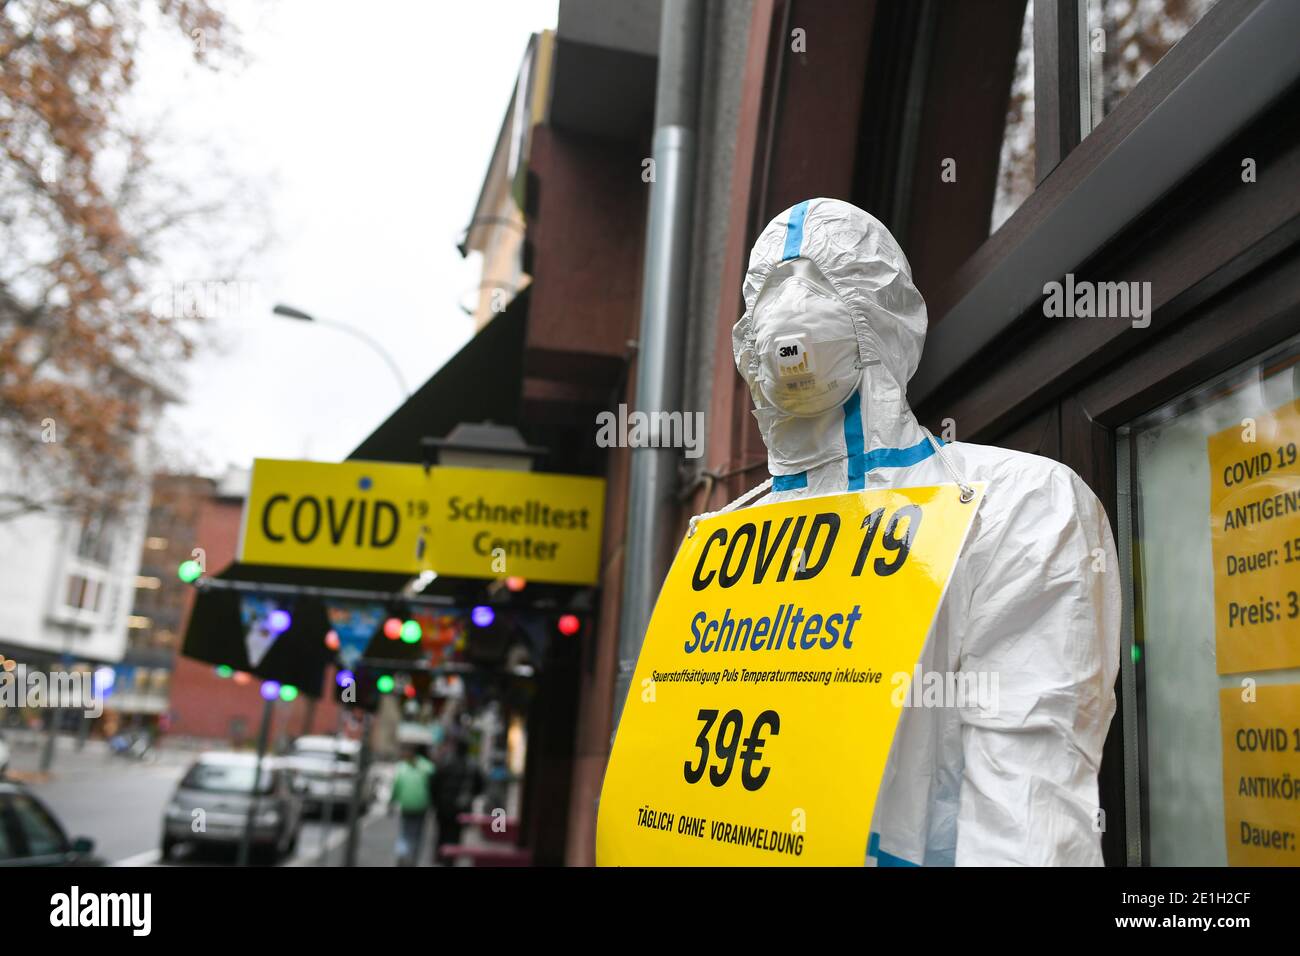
(289, 312)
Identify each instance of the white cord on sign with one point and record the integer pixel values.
(743, 499)
(967, 492)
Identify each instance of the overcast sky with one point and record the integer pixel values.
(363, 131)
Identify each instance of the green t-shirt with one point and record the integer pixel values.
(411, 785)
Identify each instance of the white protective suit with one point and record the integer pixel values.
(832, 331)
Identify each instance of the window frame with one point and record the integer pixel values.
(1177, 113)
(1132, 705)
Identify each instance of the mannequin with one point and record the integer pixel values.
(832, 332)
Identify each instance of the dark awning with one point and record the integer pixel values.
(481, 382)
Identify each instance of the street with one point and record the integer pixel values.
(119, 803)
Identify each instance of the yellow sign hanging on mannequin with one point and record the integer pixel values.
(761, 712)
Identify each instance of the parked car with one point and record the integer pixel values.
(4, 754)
(211, 805)
(326, 769)
(30, 835)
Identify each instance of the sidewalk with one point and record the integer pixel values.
(379, 840)
(72, 756)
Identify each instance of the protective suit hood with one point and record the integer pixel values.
(817, 257)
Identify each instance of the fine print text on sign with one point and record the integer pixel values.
(462, 522)
(1255, 540)
(760, 717)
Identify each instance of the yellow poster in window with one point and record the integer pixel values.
(1261, 774)
(765, 699)
(1255, 540)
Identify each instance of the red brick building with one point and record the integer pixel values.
(203, 703)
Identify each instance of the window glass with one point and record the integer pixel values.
(1123, 41)
(82, 593)
(226, 778)
(76, 593)
(95, 542)
(1214, 483)
(324, 757)
(1016, 160)
(43, 836)
(1126, 38)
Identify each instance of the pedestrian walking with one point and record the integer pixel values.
(453, 787)
(410, 797)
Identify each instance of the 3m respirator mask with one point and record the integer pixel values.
(807, 348)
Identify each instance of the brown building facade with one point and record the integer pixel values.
(1008, 146)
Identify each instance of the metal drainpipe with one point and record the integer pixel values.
(653, 484)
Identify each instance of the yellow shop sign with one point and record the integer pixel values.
(462, 522)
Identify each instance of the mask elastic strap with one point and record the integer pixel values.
(742, 500)
(967, 492)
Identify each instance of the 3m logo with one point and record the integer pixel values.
(792, 357)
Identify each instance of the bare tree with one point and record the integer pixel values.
(84, 217)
